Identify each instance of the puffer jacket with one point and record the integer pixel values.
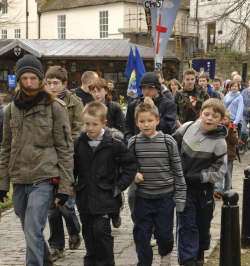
(75, 108)
(37, 145)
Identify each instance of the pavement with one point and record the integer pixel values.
(12, 245)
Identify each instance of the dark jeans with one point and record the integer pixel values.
(31, 205)
(149, 214)
(56, 215)
(193, 225)
(99, 243)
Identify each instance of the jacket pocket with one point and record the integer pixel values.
(43, 133)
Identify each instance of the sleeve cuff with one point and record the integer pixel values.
(180, 206)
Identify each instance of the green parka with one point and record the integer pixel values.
(75, 108)
(36, 146)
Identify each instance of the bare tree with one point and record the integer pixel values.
(238, 12)
(7, 17)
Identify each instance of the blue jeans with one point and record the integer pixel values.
(149, 215)
(31, 205)
(67, 211)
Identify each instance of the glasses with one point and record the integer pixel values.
(53, 83)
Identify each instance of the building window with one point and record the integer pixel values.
(103, 17)
(61, 26)
(211, 31)
(4, 34)
(4, 7)
(17, 33)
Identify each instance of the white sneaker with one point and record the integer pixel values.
(153, 242)
(166, 260)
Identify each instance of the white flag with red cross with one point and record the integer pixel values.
(163, 14)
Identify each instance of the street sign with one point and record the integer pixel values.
(12, 81)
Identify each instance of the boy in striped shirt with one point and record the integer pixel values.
(160, 185)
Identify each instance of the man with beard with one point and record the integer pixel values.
(37, 154)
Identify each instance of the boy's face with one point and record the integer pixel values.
(210, 119)
(93, 125)
(216, 85)
(55, 86)
(189, 81)
(147, 123)
(203, 82)
(98, 94)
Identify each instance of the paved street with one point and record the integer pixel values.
(12, 247)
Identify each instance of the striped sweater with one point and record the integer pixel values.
(159, 162)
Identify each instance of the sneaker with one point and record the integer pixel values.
(74, 242)
(116, 221)
(153, 242)
(56, 254)
(165, 260)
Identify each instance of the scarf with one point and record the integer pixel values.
(26, 102)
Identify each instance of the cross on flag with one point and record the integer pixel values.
(163, 14)
(159, 29)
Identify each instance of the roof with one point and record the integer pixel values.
(66, 4)
(78, 49)
(51, 5)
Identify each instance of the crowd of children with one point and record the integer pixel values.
(173, 147)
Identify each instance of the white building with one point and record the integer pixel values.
(18, 19)
(215, 32)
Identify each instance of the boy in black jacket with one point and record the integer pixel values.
(103, 168)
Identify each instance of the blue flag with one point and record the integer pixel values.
(134, 72)
(139, 69)
(130, 64)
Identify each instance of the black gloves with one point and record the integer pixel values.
(62, 198)
(3, 194)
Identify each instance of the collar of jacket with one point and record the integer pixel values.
(68, 99)
(107, 140)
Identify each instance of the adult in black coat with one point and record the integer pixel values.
(151, 87)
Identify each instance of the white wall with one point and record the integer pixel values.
(83, 22)
(15, 19)
(208, 11)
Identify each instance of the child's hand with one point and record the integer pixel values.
(217, 195)
(139, 178)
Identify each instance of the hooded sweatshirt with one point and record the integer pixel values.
(204, 155)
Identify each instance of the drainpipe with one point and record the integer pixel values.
(197, 23)
(27, 19)
(39, 24)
